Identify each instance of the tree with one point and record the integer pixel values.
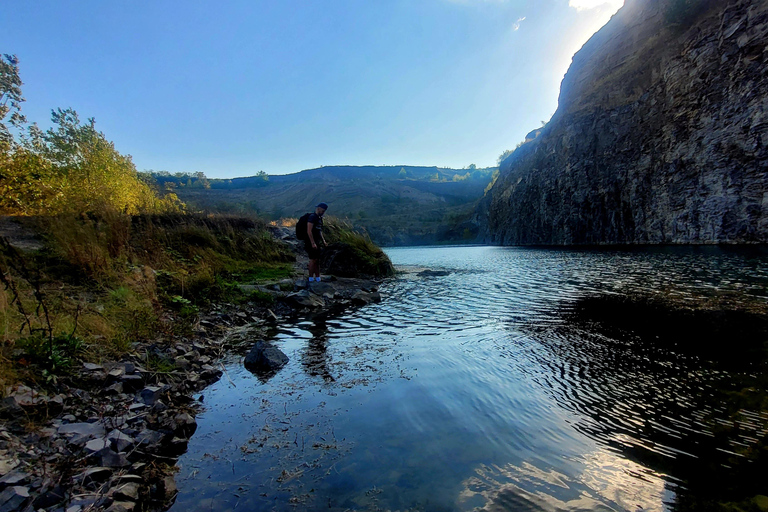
(10, 97)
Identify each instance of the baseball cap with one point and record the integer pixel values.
(324, 206)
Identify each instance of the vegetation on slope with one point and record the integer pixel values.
(395, 205)
(123, 260)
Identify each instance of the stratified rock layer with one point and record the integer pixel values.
(660, 135)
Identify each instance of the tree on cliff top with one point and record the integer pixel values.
(10, 96)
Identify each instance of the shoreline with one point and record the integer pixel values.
(109, 437)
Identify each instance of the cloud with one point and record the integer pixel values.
(516, 25)
(585, 5)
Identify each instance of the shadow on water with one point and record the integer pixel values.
(678, 388)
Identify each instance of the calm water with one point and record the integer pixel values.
(473, 390)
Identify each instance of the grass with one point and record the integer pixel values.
(371, 259)
(110, 279)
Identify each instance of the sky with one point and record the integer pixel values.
(236, 87)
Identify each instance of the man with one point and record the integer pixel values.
(314, 237)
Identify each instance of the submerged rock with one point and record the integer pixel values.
(265, 357)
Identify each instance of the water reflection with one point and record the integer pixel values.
(475, 387)
(315, 357)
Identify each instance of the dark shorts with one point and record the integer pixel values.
(314, 253)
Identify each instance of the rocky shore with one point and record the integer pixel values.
(108, 438)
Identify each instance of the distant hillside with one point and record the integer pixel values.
(397, 205)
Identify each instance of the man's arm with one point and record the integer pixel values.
(310, 225)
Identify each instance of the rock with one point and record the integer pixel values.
(305, 299)
(93, 475)
(96, 445)
(131, 382)
(660, 137)
(128, 491)
(121, 506)
(115, 389)
(150, 394)
(88, 430)
(14, 478)
(362, 297)
(183, 425)
(265, 357)
(433, 273)
(120, 441)
(149, 439)
(92, 367)
(12, 498)
(341, 259)
(110, 459)
(49, 498)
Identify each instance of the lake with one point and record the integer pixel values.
(474, 387)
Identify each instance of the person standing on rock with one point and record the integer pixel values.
(313, 239)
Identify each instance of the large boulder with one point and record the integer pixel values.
(265, 357)
(344, 260)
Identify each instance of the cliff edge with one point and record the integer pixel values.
(659, 137)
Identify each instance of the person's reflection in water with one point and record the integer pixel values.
(315, 357)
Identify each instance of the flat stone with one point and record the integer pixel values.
(96, 445)
(128, 491)
(12, 498)
(92, 367)
(13, 478)
(110, 459)
(117, 372)
(82, 429)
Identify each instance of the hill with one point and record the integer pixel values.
(660, 135)
(396, 205)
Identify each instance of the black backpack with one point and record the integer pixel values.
(301, 226)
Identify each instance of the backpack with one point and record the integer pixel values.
(301, 227)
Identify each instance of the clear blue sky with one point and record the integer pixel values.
(238, 86)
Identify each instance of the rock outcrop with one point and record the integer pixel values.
(660, 136)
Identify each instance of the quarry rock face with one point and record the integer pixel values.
(660, 135)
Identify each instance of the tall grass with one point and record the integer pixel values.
(371, 258)
(113, 278)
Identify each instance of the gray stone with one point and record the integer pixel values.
(128, 491)
(92, 367)
(14, 478)
(96, 445)
(110, 459)
(12, 498)
(362, 297)
(121, 506)
(132, 382)
(149, 439)
(182, 424)
(306, 299)
(89, 430)
(265, 357)
(150, 394)
(120, 441)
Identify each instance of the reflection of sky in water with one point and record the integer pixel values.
(607, 482)
(466, 390)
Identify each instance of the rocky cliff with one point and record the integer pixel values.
(660, 136)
